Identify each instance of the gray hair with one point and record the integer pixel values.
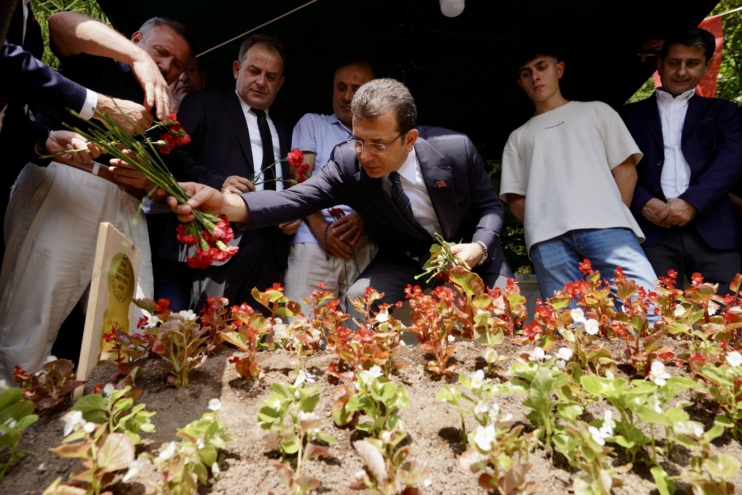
(377, 97)
(181, 29)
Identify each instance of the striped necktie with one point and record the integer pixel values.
(402, 201)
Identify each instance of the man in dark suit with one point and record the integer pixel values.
(406, 184)
(233, 139)
(692, 159)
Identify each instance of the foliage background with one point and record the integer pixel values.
(512, 237)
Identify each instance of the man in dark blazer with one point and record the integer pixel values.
(692, 159)
(390, 169)
(233, 138)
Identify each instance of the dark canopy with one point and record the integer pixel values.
(459, 69)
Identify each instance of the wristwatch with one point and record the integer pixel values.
(485, 252)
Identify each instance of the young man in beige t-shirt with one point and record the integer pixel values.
(568, 175)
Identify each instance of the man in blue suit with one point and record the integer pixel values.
(405, 182)
(692, 159)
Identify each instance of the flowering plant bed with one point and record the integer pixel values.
(589, 400)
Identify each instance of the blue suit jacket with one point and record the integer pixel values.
(463, 198)
(712, 145)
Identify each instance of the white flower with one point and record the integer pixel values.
(713, 308)
(89, 427)
(73, 421)
(658, 374)
(578, 316)
(215, 469)
(41, 468)
(168, 452)
(451, 339)
(490, 355)
(679, 311)
(689, 428)
(200, 442)
(360, 474)
(565, 353)
(400, 425)
(605, 431)
(481, 408)
(215, 404)
(50, 358)
(276, 404)
(610, 375)
(592, 327)
(477, 379)
(188, 314)
(485, 437)
(370, 375)
(302, 377)
(538, 355)
(153, 321)
(495, 410)
(386, 436)
(427, 482)
(734, 359)
(134, 469)
(653, 401)
(307, 416)
(560, 364)
(108, 389)
(382, 316)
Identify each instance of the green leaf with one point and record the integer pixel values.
(676, 385)
(664, 484)
(722, 466)
(470, 282)
(207, 455)
(266, 417)
(10, 396)
(309, 403)
(649, 415)
(116, 453)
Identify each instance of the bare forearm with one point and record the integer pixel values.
(235, 208)
(517, 205)
(625, 177)
(74, 34)
(317, 224)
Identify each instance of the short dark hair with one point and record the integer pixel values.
(270, 42)
(532, 52)
(356, 61)
(180, 28)
(691, 37)
(377, 97)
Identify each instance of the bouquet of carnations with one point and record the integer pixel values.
(209, 233)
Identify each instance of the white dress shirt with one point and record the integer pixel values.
(257, 144)
(414, 186)
(675, 170)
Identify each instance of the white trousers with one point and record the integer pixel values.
(51, 230)
(308, 266)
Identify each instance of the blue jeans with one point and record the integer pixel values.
(557, 260)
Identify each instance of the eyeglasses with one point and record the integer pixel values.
(375, 148)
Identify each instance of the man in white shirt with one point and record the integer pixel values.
(692, 150)
(568, 175)
(234, 142)
(330, 246)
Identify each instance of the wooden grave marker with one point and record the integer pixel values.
(115, 273)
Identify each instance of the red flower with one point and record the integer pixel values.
(110, 336)
(169, 143)
(296, 158)
(162, 305)
(672, 274)
(226, 254)
(336, 213)
(277, 287)
(586, 267)
(97, 389)
(442, 276)
(618, 275)
(185, 237)
(696, 279)
(142, 322)
(302, 173)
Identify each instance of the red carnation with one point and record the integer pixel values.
(337, 213)
(200, 260)
(169, 143)
(185, 237)
(296, 158)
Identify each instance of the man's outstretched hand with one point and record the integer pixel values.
(207, 198)
(469, 252)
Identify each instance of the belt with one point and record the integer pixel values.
(101, 171)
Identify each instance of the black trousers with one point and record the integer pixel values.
(684, 250)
